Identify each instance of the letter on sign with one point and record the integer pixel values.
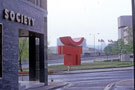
(6, 13)
(12, 15)
(17, 17)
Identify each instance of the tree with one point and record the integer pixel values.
(129, 36)
(108, 50)
(119, 47)
(23, 51)
(128, 48)
(124, 46)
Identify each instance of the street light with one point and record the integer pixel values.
(94, 41)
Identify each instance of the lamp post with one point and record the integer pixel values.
(94, 41)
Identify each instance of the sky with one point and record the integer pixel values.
(85, 18)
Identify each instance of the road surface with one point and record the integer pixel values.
(91, 81)
(83, 60)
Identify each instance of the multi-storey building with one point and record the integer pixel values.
(125, 34)
(22, 18)
(125, 28)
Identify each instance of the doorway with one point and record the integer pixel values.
(34, 65)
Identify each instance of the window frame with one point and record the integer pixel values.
(1, 27)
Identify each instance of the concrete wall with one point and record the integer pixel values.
(126, 57)
(124, 21)
(9, 80)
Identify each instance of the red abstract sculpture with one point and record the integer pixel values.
(71, 50)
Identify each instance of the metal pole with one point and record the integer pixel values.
(133, 23)
(101, 46)
(94, 46)
(98, 44)
(98, 48)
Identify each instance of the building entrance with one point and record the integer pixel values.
(35, 48)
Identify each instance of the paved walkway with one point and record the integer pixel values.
(121, 85)
(51, 86)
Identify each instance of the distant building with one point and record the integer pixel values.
(125, 34)
(125, 28)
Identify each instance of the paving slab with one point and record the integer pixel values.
(51, 86)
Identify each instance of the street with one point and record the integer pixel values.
(83, 60)
(91, 81)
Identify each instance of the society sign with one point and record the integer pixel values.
(17, 17)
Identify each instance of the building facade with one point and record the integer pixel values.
(125, 33)
(125, 28)
(22, 18)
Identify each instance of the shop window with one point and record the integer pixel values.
(0, 50)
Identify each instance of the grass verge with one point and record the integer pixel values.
(85, 66)
(95, 65)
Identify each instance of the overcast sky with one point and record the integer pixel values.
(84, 18)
